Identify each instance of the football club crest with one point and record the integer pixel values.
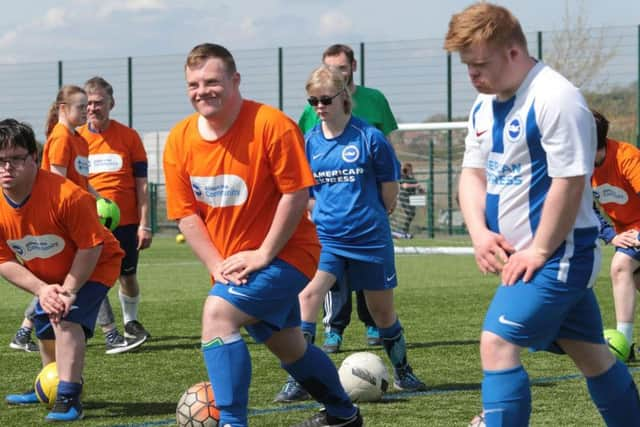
(514, 129)
(350, 153)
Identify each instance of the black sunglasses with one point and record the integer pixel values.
(324, 99)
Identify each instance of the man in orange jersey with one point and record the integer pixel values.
(53, 246)
(237, 183)
(118, 171)
(616, 186)
(66, 154)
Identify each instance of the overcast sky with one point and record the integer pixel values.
(45, 30)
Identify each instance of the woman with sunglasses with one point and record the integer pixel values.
(357, 173)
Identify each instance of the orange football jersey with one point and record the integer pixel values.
(616, 185)
(46, 231)
(112, 155)
(67, 149)
(235, 182)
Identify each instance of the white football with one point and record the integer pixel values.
(364, 377)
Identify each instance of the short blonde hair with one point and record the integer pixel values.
(326, 77)
(484, 22)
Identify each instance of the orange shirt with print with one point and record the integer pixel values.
(46, 231)
(235, 182)
(112, 155)
(69, 150)
(616, 184)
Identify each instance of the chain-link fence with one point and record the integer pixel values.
(421, 81)
(436, 157)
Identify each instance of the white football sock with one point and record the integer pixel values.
(129, 307)
(626, 329)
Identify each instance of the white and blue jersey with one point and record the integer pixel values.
(544, 131)
(349, 213)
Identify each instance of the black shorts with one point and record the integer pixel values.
(127, 235)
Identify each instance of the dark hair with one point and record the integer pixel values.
(337, 49)
(204, 51)
(405, 167)
(17, 134)
(602, 128)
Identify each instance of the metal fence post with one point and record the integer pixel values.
(130, 87)
(430, 192)
(280, 80)
(362, 64)
(449, 140)
(60, 80)
(450, 188)
(539, 45)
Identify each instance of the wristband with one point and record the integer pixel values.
(145, 228)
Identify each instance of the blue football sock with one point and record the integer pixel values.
(309, 331)
(318, 376)
(506, 397)
(394, 344)
(229, 367)
(69, 389)
(615, 395)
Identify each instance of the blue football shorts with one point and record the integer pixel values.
(270, 295)
(360, 275)
(537, 313)
(631, 252)
(83, 311)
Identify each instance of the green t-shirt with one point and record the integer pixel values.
(368, 104)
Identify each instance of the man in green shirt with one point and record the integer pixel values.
(370, 105)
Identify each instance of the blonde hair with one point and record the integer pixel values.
(325, 77)
(64, 97)
(484, 22)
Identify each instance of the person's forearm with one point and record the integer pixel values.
(142, 195)
(389, 192)
(288, 214)
(16, 274)
(606, 231)
(559, 214)
(472, 190)
(196, 233)
(84, 263)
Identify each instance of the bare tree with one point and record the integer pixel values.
(578, 52)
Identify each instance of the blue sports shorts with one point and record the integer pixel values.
(632, 252)
(270, 295)
(360, 275)
(83, 311)
(537, 313)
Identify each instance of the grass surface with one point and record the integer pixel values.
(441, 300)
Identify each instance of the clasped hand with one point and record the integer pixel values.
(56, 301)
(495, 255)
(237, 267)
(626, 239)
